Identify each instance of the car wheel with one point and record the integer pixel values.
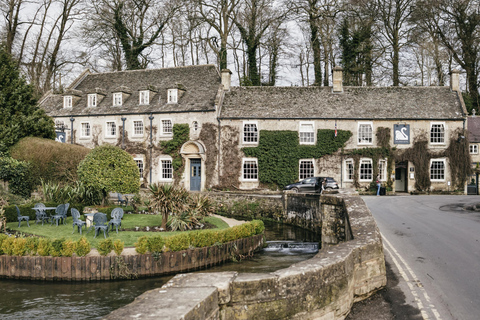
(295, 190)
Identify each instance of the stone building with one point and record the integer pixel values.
(256, 137)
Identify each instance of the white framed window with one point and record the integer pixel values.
(172, 95)
(306, 133)
(306, 169)
(166, 170)
(138, 128)
(67, 101)
(250, 132)
(111, 129)
(437, 133)
(382, 170)
(249, 169)
(366, 170)
(92, 100)
(167, 127)
(86, 131)
(437, 169)
(144, 97)
(139, 162)
(117, 99)
(474, 149)
(365, 133)
(59, 124)
(349, 170)
(195, 126)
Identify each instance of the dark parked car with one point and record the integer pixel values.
(312, 184)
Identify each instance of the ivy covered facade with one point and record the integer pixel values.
(189, 126)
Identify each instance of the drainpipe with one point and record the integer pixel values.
(151, 144)
(219, 149)
(71, 126)
(123, 132)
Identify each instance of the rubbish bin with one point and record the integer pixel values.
(383, 191)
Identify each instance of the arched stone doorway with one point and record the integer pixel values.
(193, 153)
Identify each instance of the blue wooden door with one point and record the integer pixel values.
(195, 174)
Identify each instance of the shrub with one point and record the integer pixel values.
(32, 245)
(75, 192)
(105, 246)
(178, 242)
(82, 247)
(57, 246)
(118, 246)
(50, 160)
(2, 238)
(155, 244)
(18, 175)
(109, 168)
(141, 246)
(259, 226)
(19, 246)
(68, 248)
(200, 239)
(44, 247)
(8, 245)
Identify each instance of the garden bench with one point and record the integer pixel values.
(20, 218)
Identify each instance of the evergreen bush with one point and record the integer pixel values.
(141, 246)
(44, 247)
(68, 248)
(82, 247)
(18, 175)
(105, 246)
(118, 246)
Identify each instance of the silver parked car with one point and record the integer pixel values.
(312, 184)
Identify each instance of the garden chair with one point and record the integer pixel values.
(20, 218)
(76, 220)
(60, 213)
(121, 201)
(40, 213)
(117, 215)
(99, 223)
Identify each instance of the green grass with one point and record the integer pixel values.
(128, 221)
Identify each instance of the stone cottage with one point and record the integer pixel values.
(257, 137)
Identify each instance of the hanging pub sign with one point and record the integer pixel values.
(401, 134)
(61, 136)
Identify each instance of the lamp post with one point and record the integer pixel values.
(151, 144)
(71, 129)
(123, 132)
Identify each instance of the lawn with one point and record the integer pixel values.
(128, 237)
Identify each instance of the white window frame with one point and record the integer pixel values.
(473, 149)
(443, 160)
(172, 95)
(362, 142)
(365, 161)
(82, 132)
(108, 129)
(444, 133)
(244, 173)
(163, 133)
(382, 169)
(195, 126)
(163, 164)
(117, 99)
(142, 170)
(304, 175)
(144, 97)
(310, 132)
(134, 133)
(253, 138)
(347, 169)
(92, 100)
(67, 101)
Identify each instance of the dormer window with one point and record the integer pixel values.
(144, 97)
(67, 101)
(172, 95)
(117, 99)
(92, 100)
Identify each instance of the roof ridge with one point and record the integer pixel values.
(154, 69)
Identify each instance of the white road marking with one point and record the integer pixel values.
(411, 280)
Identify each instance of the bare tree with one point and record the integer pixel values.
(10, 10)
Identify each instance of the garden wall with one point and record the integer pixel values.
(324, 287)
(123, 267)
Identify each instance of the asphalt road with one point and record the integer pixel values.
(432, 249)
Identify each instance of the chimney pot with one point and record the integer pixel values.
(337, 79)
(226, 79)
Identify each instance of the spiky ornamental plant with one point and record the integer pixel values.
(168, 199)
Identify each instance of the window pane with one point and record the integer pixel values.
(92, 100)
(117, 99)
(144, 97)
(437, 170)
(365, 133)
(250, 170)
(350, 171)
(250, 132)
(167, 172)
(167, 127)
(437, 133)
(366, 170)
(111, 129)
(307, 134)
(86, 129)
(138, 127)
(306, 169)
(140, 167)
(382, 166)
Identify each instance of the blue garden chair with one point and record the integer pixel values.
(76, 220)
(40, 213)
(117, 215)
(20, 218)
(60, 213)
(121, 201)
(99, 223)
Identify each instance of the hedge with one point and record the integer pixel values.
(26, 210)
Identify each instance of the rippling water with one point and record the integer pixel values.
(23, 299)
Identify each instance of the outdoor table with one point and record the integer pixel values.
(49, 208)
(89, 219)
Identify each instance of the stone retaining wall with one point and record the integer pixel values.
(126, 266)
(324, 287)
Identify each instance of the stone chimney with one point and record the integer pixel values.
(337, 80)
(226, 79)
(455, 80)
